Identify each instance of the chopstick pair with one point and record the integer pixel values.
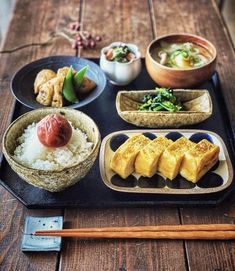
(180, 232)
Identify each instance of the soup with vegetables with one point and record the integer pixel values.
(182, 55)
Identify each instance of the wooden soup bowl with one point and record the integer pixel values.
(179, 78)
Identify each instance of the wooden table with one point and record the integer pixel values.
(131, 21)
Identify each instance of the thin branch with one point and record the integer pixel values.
(47, 42)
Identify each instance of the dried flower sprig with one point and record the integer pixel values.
(82, 39)
(78, 39)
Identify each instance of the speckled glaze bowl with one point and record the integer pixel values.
(51, 180)
(179, 78)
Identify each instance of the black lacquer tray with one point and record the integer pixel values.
(91, 192)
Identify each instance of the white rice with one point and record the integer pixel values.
(30, 152)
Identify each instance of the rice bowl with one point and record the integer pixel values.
(39, 166)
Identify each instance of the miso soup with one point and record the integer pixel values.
(181, 55)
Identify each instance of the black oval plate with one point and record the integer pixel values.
(23, 81)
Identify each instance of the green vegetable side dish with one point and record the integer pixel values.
(73, 82)
(78, 77)
(121, 54)
(182, 55)
(68, 89)
(163, 100)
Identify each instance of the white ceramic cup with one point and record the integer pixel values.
(121, 73)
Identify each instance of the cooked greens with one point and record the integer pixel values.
(163, 100)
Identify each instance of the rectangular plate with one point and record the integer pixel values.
(41, 243)
(217, 179)
(91, 192)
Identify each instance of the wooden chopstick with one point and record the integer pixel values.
(181, 235)
(193, 227)
(204, 231)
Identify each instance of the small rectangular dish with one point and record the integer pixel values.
(218, 178)
(197, 104)
(30, 242)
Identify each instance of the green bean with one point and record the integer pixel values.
(78, 77)
(68, 90)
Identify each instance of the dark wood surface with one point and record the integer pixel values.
(138, 22)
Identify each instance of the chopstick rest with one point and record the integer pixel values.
(180, 232)
(30, 242)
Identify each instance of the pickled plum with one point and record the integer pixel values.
(54, 131)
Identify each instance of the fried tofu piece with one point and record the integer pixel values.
(171, 159)
(198, 160)
(123, 160)
(46, 92)
(63, 71)
(87, 85)
(148, 157)
(57, 99)
(42, 77)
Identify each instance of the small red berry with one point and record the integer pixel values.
(79, 38)
(72, 26)
(98, 38)
(79, 42)
(92, 44)
(77, 24)
(74, 45)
